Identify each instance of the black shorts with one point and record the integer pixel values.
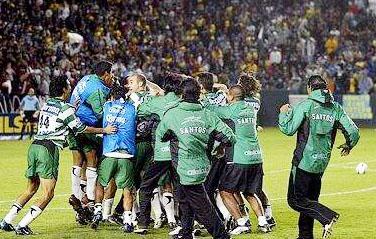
(29, 117)
(242, 178)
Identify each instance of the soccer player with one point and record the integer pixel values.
(189, 128)
(140, 91)
(252, 87)
(118, 150)
(89, 96)
(156, 108)
(316, 121)
(56, 117)
(243, 171)
(29, 110)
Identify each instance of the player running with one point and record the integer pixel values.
(56, 118)
(315, 120)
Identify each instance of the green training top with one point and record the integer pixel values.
(190, 129)
(242, 118)
(316, 120)
(158, 105)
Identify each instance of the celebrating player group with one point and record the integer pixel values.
(185, 155)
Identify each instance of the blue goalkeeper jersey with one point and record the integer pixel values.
(122, 115)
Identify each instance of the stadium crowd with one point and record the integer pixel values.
(279, 40)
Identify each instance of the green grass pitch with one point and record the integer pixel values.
(352, 195)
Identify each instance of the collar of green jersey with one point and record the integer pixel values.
(322, 96)
(190, 106)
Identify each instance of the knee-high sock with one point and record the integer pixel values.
(226, 214)
(107, 207)
(76, 180)
(83, 184)
(135, 210)
(156, 204)
(13, 212)
(30, 216)
(268, 212)
(91, 177)
(168, 204)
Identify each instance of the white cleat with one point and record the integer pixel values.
(240, 230)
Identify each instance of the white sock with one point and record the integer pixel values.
(91, 177)
(241, 221)
(262, 220)
(268, 212)
(98, 208)
(107, 207)
(13, 212)
(168, 204)
(75, 175)
(127, 217)
(30, 216)
(83, 184)
(222, 208)
(156, 205)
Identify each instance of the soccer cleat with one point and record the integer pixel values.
(141, 230)
(23, 231)
(158, 223)
(80, 219)
(115, 219)
(328, 228)
(6, 226)
(197, 232)
(240, 230)
(88, 213)
(272, 223)
(96, 220)
(174, 229)
(127, 228)
(230, 224)
(264, 228)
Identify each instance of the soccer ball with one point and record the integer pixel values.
(361, 168)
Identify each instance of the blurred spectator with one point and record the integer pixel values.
(279, 41)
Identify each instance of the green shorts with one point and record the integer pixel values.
(84, 142)
(43, 160)
(122, 170)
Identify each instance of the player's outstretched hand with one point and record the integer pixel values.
(110, 129)
(285, 108)
(345, 149)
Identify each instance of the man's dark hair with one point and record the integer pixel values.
(206, 79)
(172, 83)
(102, 67)
(119, 91)
(238, 92)
(58, 85)
(250, 84)
(316, 82)
(191, 90)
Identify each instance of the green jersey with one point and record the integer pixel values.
(55, 119)
(157, 106)
(316, 120)
(242, 118)
(214, 98)
(190, 129)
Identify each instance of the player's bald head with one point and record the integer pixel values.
(237, 92)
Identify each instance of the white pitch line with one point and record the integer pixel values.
(336, 193)
(56, 196)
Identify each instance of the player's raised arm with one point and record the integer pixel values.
(290, 118)
(349, 130)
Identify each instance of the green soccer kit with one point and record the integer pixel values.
(56, 118)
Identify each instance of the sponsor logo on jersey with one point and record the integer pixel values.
(252, 152)
(197, 171)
